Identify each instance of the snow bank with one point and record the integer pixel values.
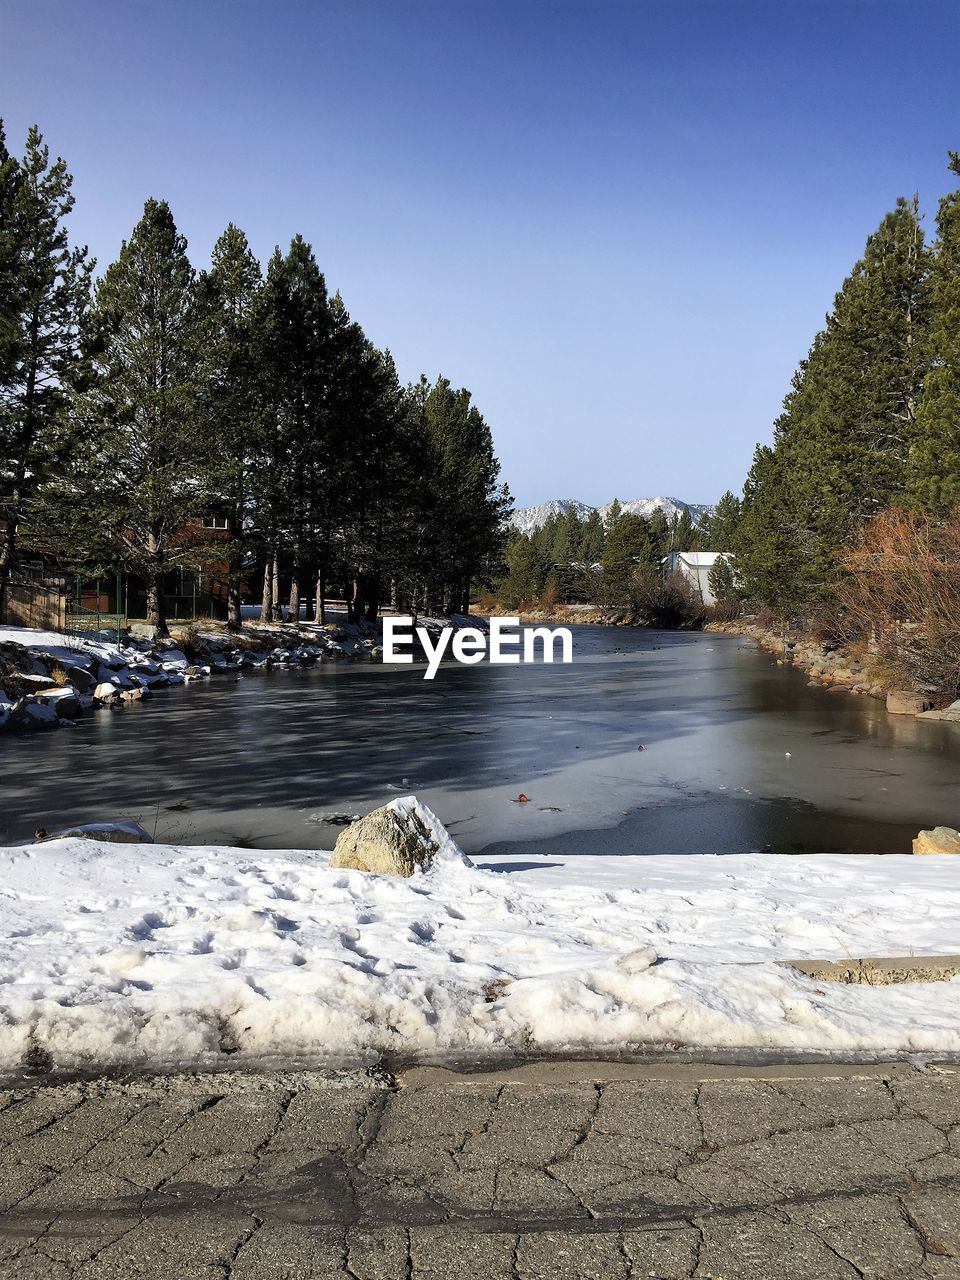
(126, 955)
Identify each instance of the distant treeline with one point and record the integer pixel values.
(135, 407)
(589, 559)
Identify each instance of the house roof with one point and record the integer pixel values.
(700, 559)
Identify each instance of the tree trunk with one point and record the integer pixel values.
(294, 602)
(156, 616)
(372, 610)
(266, 596)
(319, 607)
(234, 614)
(6, 560)
(275, 615)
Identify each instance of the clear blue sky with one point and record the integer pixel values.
(619, 224)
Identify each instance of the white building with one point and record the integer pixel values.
(695, 567)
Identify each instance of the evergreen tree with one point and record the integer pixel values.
(723, 584)
(935, 458)
(146, 478)
(614, 512)
(843, 442)
(719, 529)
(45, 295)
(294, 474)
(463, 502)
(682, 534)
(659, 533)
(628, 546)
(527, 571)
(591, 544)
(231, 395)
(11, 264)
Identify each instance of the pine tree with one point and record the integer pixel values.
(146, 479)
(659, 533)
(526, 572)
(935, 458)
(45, 295)
(718, 530)
(231, 398)
(843, 443)
(11, 265)
(723, 584)
(463, 503)
(591, 545)
(293, 327)
(681, 535)
(628, 547)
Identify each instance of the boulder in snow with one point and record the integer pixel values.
(81, 679)
(398, 839)
(63, 698)
(939, 840)
(143, 631)
(106, 693)
(31, 714)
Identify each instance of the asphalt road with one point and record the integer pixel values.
(546, 1173)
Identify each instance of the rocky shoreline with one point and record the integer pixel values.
(826, 665)
(48, 679)
(832, 666)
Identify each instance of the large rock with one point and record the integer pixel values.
(951, 713)
(398, 839)
(939, 840)
(904, 702)
(63, 698)
(30, 713)
(107, 693)
(143, 631)
(81, 679)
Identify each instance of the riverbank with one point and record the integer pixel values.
(152, 957)
(853, 670)
(827, 665)
(49, 678)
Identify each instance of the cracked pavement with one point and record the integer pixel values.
(550, 1172)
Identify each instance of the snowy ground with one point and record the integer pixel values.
(158, 955)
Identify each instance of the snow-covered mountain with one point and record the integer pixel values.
(527, 519)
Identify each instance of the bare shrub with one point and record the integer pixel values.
(899, 591)
(58, 676)
(550, 595)
(727, 609)
(659, 601)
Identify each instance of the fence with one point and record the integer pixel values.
(36, 602)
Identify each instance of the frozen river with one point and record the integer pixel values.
(739, 755)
